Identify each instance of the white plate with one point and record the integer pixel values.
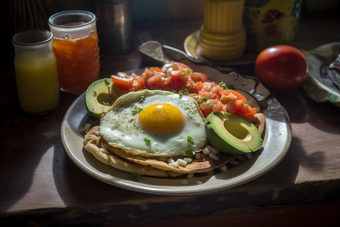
(277, 139)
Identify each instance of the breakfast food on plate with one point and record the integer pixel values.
(170, 121)
(154, 123)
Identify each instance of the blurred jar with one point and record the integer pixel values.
(75, 45)
(270, 23)
(36, 71)
(222, 35)
(114, 26)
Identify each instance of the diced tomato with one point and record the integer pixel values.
(204, 94)
(128, 83)
(196, 76)
(237, 94)
(122, 80)
(180, 79)
(206, 108)
(159, 80)
(217, 90)
(218, 105)
(176, 66)
(244, 108)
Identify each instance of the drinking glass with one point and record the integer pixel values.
(75, 45)
(36, 71)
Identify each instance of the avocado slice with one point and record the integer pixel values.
(100, 96)
(232, 134)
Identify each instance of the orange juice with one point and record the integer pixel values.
(36, 71)
(37, 82)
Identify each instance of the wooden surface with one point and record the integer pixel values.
(39, 185)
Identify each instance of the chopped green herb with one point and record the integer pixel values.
(190, 140)
(190, 71)
(141, 99)
(223, 85)
(134, 177)
(189, 152)
(183, 74)
(180, 95)
(204, 99)
(152, 74)
(107, 82)
(213, 104)
(147, 141)
(136, 109)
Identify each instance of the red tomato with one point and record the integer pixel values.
(281, 68)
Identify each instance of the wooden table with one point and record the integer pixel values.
(39, 185)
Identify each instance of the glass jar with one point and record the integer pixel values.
(270, 23)
(36, 71)
(75, 45)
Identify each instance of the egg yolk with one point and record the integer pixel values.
(161, 117)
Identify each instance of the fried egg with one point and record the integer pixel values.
(157, 122)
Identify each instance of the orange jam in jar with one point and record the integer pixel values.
(78, 63)
(75, 46)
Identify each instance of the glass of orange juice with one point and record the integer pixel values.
(36, 71)
(75, 45)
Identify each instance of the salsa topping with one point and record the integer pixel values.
(180, 78)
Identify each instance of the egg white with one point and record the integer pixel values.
(120, 127)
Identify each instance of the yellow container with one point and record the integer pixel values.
(36, 71)
(270, 23)
(222, 35)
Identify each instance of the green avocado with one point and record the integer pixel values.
(232, 134)
(100, 96)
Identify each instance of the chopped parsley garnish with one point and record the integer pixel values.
(134, 177)
(183, 74)
(107, 82)
(190, 71)
(204, 99)
(147, 141)
(141, 99)
(223, 85)
(189, 152)
(136, 109)
(190, 140)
